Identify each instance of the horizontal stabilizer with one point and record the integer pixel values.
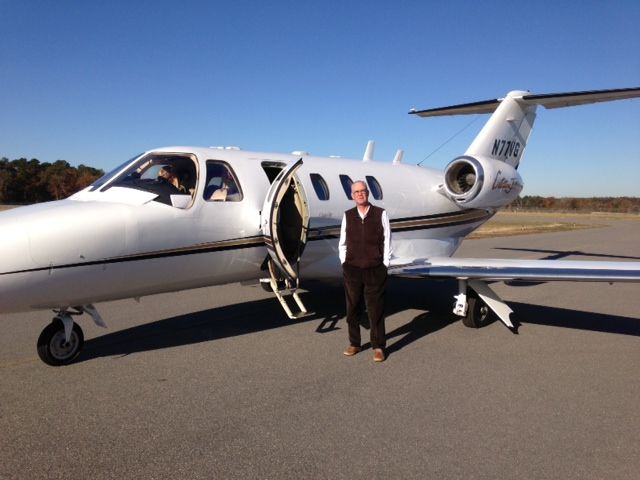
(551, 100)
(557, 100)
(487, 106)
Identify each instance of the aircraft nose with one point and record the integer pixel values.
(59, 233)
(14, 254)
(14, 258)
(43, 243)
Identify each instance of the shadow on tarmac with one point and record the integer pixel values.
(434, 298)
(576, 319)
(191, 328)
(325, 300)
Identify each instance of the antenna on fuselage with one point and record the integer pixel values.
(368, 153)
(398, 158)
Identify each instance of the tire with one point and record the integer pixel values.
(52, 347)
(478, 313)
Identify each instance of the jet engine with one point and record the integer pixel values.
(476, 182)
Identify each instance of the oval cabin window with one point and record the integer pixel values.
(374, 187)
(320, 186)
(346, 185)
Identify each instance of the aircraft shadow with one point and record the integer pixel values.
(421, 325)
(434, 298)
(190, 328)
(524, 314)
(261, 315)
(575, 319)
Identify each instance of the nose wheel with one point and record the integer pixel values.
(53, 347)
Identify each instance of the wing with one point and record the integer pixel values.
(494, 269)
(474, 273)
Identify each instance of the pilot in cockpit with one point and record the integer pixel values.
(168, 175)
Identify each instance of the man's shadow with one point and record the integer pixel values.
(433, 296)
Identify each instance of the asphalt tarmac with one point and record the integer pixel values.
(217, 383)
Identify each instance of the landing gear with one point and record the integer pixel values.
(478, 312)
(53, 347)
(61, 341)
(478, 305)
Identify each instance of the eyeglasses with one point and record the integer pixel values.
(360, 192)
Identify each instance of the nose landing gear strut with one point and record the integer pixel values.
(61, 341)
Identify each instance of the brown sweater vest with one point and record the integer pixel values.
(365, 238)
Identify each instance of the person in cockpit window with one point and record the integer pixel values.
(168, 175)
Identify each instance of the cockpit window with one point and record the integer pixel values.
(222, 184)
(107, 176)
(173, 177)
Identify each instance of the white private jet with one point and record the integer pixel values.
(180, 217)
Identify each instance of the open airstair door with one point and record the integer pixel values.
(285, 220)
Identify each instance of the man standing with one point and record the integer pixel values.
(365, 252)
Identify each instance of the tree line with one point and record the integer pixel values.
(25, 181)
(578, 204)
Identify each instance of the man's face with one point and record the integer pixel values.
(166, 174)
(360, 193)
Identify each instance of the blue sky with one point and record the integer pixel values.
(97, 82)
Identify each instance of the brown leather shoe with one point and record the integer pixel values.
(378, 355)
(351, 351)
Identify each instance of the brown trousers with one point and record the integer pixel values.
(365, 284)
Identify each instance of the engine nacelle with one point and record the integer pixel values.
(477, 182)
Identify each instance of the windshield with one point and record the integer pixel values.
(172, 177)
(107, 176)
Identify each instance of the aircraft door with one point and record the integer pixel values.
(285, 220)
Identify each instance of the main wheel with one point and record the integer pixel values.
(53, 349)
(478, 313)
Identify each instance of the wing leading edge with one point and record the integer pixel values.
(491, 269)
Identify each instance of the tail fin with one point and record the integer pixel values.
(504, 137)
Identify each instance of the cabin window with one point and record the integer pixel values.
(221, 184)
(374, 187)
(171, 176)
(320, 186)
(346, 185)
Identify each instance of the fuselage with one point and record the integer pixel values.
(115, 239)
